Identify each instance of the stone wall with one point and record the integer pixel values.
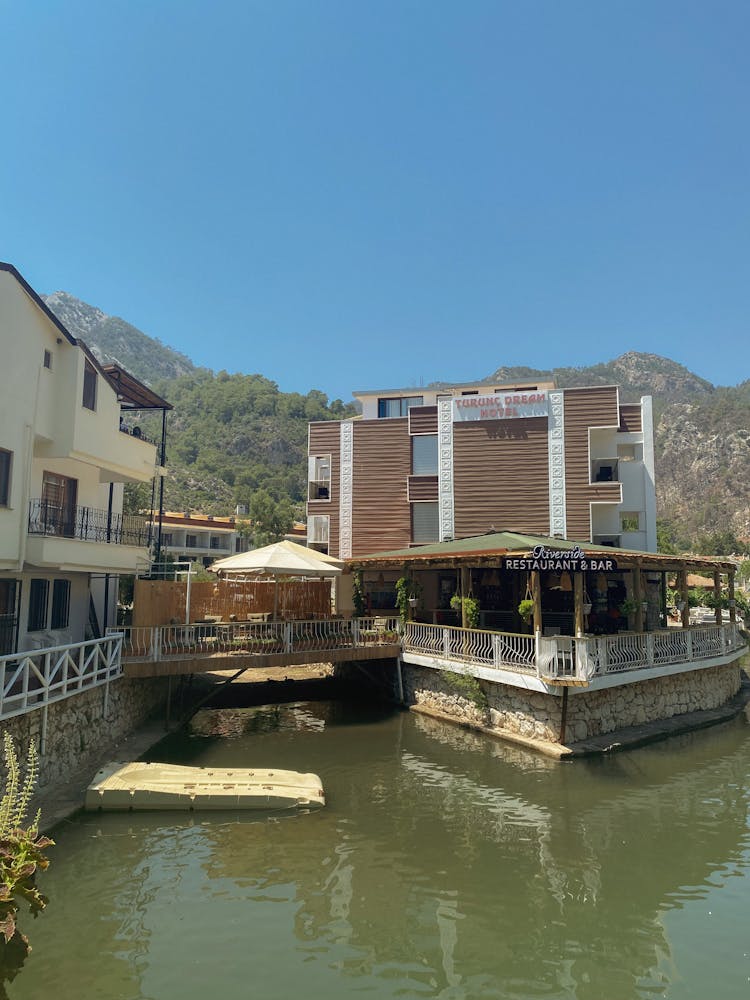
(77, 730)
(537, 716)
(529, 714)
(591, 713)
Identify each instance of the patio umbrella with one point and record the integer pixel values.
(279, 559)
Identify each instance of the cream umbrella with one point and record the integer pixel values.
(279, 559)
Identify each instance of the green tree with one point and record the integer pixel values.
(272, 519)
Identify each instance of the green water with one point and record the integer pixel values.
(444, 865)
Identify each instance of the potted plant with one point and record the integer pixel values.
(526, 609)
(628, 607)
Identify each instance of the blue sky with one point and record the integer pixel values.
(351, 195)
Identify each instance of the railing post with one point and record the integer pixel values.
(689, 645)
(650, 648)
(496, 651)
(287, 637)
(355, 631)
(446, 643)
(537, 650)
(156, 643)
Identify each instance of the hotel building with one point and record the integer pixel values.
(427, 465)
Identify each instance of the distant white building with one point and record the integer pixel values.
(204, 538)
(64, 460)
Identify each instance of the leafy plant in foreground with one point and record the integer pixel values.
(21, 856)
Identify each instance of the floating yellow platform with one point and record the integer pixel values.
(122, 787)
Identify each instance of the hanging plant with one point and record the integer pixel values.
(468, 607)
(358, 595)
(407, 596)
(526, 609)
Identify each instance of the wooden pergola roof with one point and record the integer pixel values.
(486, 550)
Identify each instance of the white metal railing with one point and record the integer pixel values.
(596, 656)
(553, 657)
(38, 677)
(166, 642)
(500, 650)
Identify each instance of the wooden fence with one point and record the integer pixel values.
(162, 602)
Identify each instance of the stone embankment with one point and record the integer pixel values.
(536, 719)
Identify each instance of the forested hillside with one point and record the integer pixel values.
(230, 435)
(235, 437)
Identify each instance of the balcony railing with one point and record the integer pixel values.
(39, 677)
(172, 642)
(562, 657)
(87, 524)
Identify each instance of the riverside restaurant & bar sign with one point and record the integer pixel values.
(571, 561)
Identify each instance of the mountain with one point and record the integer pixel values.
(701, 440)
(636, 373)
(232, 435)
(113, 340)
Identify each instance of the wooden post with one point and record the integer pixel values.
(638, 597)
(682, 577)
(536, 596)
(578, 624)
(563, 714)
(732, 606)
(717, 596)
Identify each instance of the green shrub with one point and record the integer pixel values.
(468, 687)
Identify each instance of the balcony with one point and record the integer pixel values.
(87, 524)
(319, 489)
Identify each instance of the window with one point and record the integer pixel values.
(166, 538)
(60, 604)
(10, 595)
(89, 386)
(398, 407)
(38, 597)
(317, 529)
(6, 458)
(319, 477)
(191, 541)
(425, 523)
(630, 521)
(424, 455)
(604, 470)
(48, 359)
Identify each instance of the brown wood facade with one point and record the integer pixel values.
(501, 476)
(500, 472)
(631, 418)
(586, 408)
(325, 439)
(381, 515)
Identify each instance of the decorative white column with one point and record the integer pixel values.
(345, 489)
(647, 425)
(556, 458)
(445, 469)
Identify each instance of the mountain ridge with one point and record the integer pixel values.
(231, 435)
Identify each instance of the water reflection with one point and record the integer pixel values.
(444, 865)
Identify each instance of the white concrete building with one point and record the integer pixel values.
(63, 462)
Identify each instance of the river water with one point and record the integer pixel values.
(445, 864)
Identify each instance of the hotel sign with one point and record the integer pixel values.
(570, 561)
(503, 406)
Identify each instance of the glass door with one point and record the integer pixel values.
(59, 497)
